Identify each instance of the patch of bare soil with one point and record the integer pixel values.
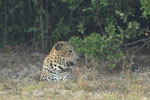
(20, 70)
(16, 63)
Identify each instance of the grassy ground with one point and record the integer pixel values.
(19, 80)
(106, 88)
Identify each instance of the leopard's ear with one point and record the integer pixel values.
(58, 46)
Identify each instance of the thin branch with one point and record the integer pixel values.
(141, 40)
(140, 48)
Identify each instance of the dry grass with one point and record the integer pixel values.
(85, 86)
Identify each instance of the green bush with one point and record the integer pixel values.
(100, 46)
(45, 22)
(145, 7)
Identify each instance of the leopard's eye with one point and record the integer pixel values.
(70, 51)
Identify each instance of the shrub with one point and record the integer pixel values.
(100, 46)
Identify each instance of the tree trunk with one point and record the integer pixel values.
(41, 24)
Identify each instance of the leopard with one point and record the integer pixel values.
(59, 63)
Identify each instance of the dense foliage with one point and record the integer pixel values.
(97, 27)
